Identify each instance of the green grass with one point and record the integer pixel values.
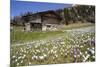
(18, 36)
(77, 25)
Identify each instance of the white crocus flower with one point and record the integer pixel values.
(75, 56)
(16, 60)
(92, 51)
(85, 52)
(19, 57)
(17, 64)
(21, 61)
(56, 55)
(81, 46)
(14, 56)
(93, 48)
(62, 42)
(85, 58)
(24, 55)
(29, 63)
(78, 55)
(44, 55)
(93, 56)
(41, 57)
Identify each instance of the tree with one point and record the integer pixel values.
(66, 15)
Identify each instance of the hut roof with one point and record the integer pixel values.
(50, 13)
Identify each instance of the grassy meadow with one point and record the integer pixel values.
(73, 45)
